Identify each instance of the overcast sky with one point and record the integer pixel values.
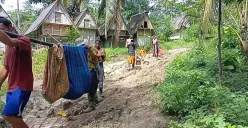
(10, 5)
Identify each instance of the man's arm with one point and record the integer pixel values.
(3, 76)
(104, 56)
(4, 38)
(92, 51)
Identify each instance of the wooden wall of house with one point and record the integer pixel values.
(148, 32)
(54, 29)
(57, 31)
(110, 41)
(88, 35)
(87, 22)
(144, 36)
(144, 40)
(146, 23)
(122, 33)
(58, 16)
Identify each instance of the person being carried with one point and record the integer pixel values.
(131, 54)
(18, 68)
(101, 59)
(142, 53)
(93, 56)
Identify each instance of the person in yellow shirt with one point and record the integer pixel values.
(143, 52)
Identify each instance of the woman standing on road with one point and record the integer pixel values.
(155, 46)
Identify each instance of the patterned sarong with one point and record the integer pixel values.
(55, 82)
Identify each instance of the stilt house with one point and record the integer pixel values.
(52, 23)
(141, 28)
(124, 33)
(87, 26)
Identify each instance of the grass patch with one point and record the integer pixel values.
(116, 54)
(177, 44)
(39, 62)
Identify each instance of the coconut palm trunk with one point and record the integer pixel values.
(117, 23)
(244, 30)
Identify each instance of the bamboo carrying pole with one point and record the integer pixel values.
(14, 35)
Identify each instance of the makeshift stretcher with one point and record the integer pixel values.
(71, 65)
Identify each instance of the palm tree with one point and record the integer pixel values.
(208, 17)
(117, 22)
(105, 9)
(241, 26)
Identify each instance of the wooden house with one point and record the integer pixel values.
(179, 23)
(4, 14)
(87, 26)
(141, 28)
(52, 23)
(124, 33)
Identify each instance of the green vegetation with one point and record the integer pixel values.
(39, 62)
(190, 90)
(177, 44)
(116, 54)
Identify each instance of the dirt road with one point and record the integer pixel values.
(128, 103)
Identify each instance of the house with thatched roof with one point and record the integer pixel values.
(179, 23)
(4, 14)
(108, 39)
(87, 26)
(141, 28)
(52, 23)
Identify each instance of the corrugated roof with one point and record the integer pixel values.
(4, 14)
(44, 13)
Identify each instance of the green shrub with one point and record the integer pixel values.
(39, 62)
(201, 119)
(191, 33)
(176, 44)
(116, 54)
(191, 91)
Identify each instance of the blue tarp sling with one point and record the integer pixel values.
(78, 71)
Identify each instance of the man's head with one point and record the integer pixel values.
(132, 42)
(98, 44)
(5, 24)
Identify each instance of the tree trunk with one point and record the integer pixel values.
(117, 23)
(219, 43)
(243, 14)
(18, 15)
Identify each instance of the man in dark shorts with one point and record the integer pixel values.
(93, 56)
(100, 67)
(18, 68)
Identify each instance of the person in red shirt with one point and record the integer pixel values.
(18, 68)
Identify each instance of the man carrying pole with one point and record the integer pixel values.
(93, 56)
(18, 68)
